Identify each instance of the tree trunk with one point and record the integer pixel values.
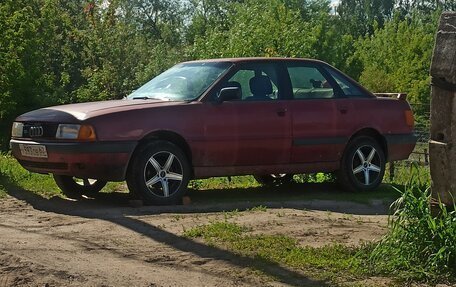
(442, 149)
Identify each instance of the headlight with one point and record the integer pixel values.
(73, 132)
(17, 130)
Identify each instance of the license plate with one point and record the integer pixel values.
(33, 150)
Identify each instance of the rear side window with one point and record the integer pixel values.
(347, 87)
(308, 83)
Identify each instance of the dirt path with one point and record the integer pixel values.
(65, 243)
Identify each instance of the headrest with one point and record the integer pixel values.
(260, 85)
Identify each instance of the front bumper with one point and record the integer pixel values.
(98, 160)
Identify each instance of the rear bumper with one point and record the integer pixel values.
(98, 160)
(400, 146)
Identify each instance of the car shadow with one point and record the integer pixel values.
(116, 210)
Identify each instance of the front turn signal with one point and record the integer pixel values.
(86, 133)
(409, 120)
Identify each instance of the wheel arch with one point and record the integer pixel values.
(165, 135)
(373, 133)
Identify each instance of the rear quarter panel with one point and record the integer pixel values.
(387, 116)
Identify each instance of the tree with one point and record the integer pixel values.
(397, 59)
(358, 17)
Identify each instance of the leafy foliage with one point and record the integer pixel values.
(397, 58)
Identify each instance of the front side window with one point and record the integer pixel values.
(257, 82)
(308, 83)
(183, 82)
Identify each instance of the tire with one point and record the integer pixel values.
(362, 166)
(274, 179)
(76, 187)
(159, 173)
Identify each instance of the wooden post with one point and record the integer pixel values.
(442, 149)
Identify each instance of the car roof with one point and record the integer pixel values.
(257, 59)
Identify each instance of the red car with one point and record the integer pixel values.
(269, 117)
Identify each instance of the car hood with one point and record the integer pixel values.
(83, 111)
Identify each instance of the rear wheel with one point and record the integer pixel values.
(274, 179)
(76, 187)
(363, 165)
(159, 173)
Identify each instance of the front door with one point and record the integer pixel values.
(254, 129)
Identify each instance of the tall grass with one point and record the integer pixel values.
(419, 245)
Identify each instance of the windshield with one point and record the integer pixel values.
(182, 82)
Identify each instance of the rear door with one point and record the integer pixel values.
(319, 115)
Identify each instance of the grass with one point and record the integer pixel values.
(419, 245)
(213, 190)
(11, 172)
(328, 262)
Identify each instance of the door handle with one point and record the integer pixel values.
(343, 110)
(281, 112)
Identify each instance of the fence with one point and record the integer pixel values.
(420, 155)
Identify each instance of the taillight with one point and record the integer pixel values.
(409, 120)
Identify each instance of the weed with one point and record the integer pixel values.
(260, 208)
(230, 214)
(177, 217)
(216, 231)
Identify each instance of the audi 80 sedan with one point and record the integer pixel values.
(267, 117)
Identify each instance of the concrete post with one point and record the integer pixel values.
(442, 149)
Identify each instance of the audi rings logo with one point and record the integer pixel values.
(36, 131)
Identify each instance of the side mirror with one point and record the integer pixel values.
(229, 94)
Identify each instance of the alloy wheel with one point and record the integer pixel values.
(163, 174)
(366, 165)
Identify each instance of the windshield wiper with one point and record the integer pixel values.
(142, 98)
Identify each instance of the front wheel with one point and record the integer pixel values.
(159, 173)
(362, 166)
(74, 187)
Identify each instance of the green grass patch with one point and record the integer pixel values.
(324, 263)
(259, 208)
(402, 172)
(12, 173)
(262, 195)
(224, 183)
(411, 252)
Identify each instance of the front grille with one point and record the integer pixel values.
(44, 165)
(39, 130)
(35, 131)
